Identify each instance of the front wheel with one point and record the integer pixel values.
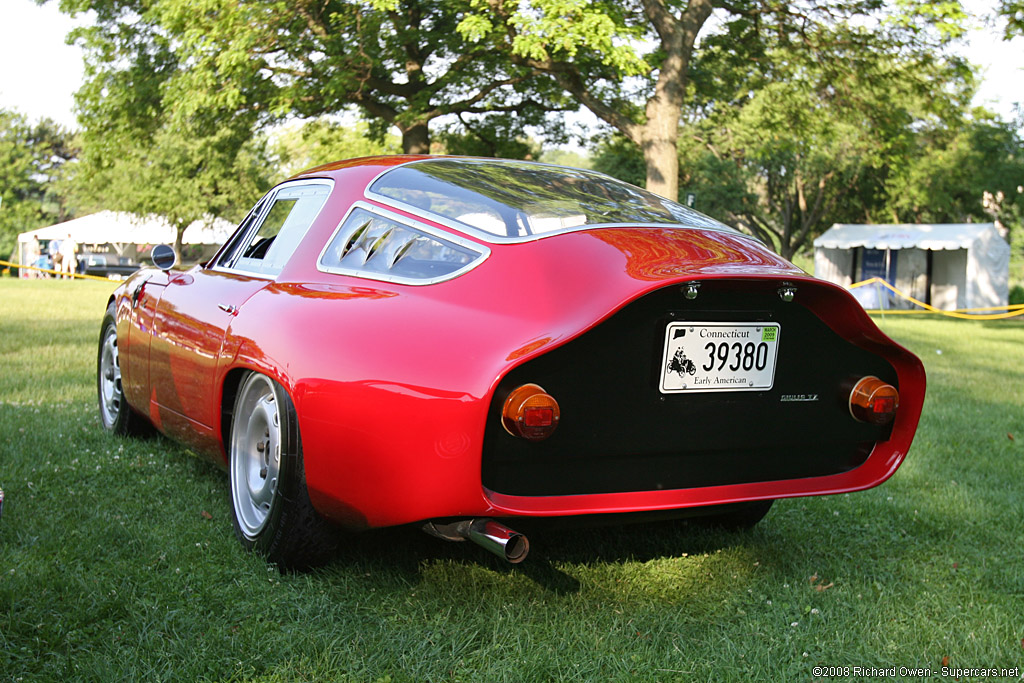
(270, 505)
(115, 413)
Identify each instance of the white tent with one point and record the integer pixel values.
(960, 265)
(125, 232)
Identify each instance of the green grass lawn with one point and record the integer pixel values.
(118, 562)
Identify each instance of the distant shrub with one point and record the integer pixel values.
(1016, 295)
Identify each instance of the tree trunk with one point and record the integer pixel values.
(660, 132)
(179, 236)
(787, 250)
(416, 139)
(660, 149)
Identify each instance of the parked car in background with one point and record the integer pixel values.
(110, 266)
(464, 344)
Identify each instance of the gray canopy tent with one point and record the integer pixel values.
(949, 266)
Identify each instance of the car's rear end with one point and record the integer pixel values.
(709, 391)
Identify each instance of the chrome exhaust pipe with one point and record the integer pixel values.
(494, 537)
(498, 539)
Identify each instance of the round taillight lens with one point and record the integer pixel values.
(530, 413)
(874, 401)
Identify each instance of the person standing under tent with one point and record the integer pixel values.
(69, 256)
(53, 251)
(32, 256)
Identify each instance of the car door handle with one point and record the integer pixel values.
(136, 293)
(228, 308)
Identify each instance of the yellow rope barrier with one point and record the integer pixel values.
(55, 272)
(962, 313)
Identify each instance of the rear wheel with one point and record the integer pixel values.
(270, 505)
(115, 413)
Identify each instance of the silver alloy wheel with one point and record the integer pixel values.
(111, 396)
(255, 454)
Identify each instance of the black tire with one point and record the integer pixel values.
(736, 516)
(115, 413)
(270, 505)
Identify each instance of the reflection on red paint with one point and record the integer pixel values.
(661, 253)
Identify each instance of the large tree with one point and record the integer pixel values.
(401, 62)
(32, 159)
(827, 128)
(631, 62)
(970, 173)
(178, 174)
(813, 136)
(141, 152)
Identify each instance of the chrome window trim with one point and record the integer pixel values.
(492, 238)
(261, 208)
(483, 251)
(238, 271)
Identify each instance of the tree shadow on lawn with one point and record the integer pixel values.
(392, 559)
(383, 559)
(400, 554)
(873, 540)
(872, 537)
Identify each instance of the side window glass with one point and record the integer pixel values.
(266, 248)
(269, 229)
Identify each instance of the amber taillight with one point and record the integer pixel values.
(530, 413)
(874, 401)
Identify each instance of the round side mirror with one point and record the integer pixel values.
(163, 257)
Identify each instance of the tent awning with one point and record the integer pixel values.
(118, 227)
(934, 237)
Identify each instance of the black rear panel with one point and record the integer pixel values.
(618, 432)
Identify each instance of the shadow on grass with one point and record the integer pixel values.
(170, 498)
(399, 555)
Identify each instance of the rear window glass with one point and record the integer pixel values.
(517, 200)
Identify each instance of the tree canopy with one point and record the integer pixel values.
(973, 172)
(632, 63)
(298, 147)
(845, 134)
(32, 160)
(1013, 12)
(141, 151)
(175, 173)
(401, 62)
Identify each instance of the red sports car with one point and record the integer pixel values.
(462, 343)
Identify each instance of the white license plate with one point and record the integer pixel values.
(702, 356)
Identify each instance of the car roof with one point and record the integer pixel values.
(493, 199)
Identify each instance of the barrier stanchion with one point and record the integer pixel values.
(1012, 311)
